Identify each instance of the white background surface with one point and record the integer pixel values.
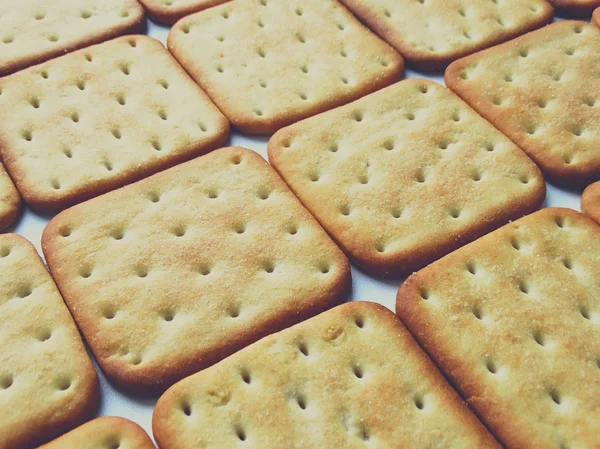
(139, 409)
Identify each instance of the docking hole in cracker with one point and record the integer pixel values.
(405, 175)
(47, 382)
(33, 31)
(171, 274)
(541, 90)
(267, 64)
(513, 320)
(431, 34)
(100, 118)
(352, 377)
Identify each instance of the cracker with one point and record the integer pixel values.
(350, 378)
(169, 11)
(512, 319)
(590, 201)
(575, 7)
(10, 200)
(268, 63)
(543, 91)
(596, 17)
(100, 118)
(432, 34)
(107, 432)
(47, 382)
(405, 175)
(175, 272)
(33, 31)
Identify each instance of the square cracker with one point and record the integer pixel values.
(47, 382)
(107, 432)
(459, 28)
(513, 320)
(590, 201)
(268, 63)
(169, 11)
(94, 120)
(351, 377)
(33, 31)
(173, 273)
(543, 91)
(10, 200)
(405, 175)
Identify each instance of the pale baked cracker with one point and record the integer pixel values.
(33, 31)
(405, 175)
(47, 382)
(543, 91)
(99, 118)
(268, 63)
(169, 11)
(590, 201)
(352, 377)
(575, 7)
(431, 34)
(107, 432)
(10, 200)
(175, 272)
(513, 320)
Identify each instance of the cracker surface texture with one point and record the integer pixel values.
(512, 319)
(405, 175)
(33, 31)
(268, 63)
(10, 200)
(590, 201)
(575, 7)
(431, 34)
(99, 118)
(169, 11)
(543, 91)
(173, 273)
(349, 378)
(47, 382)
(104, 433)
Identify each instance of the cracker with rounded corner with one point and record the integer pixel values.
(33, 31)
(405, 175)
(512, 319)
(596, 17)
(268, 63)
(170, 11)
(575, 8)
(590, 201)
(107, 432)
(100, 118)
(10, 200)
(431, 34)
(47, 382)
(351, 377)
(543, 91)
(171, 274)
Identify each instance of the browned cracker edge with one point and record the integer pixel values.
(144, 380)
(14, 209)
(167, 402)
(421, 60)
(596, 17)
(590, 202)
(136, 25)
(169, 15)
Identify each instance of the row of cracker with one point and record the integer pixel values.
(511, 320)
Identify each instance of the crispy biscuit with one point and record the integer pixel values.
(169, 11)
(94, 120)
(575, 8)
(512, 319)
(173, 273)
(541, 90)
(405, 175)
(47, 382)
(268, 63)
(350, 378)
(33, 31)
(104, 433)
(590, 201)
(596, 17)
(459, 28)
(10, 200)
